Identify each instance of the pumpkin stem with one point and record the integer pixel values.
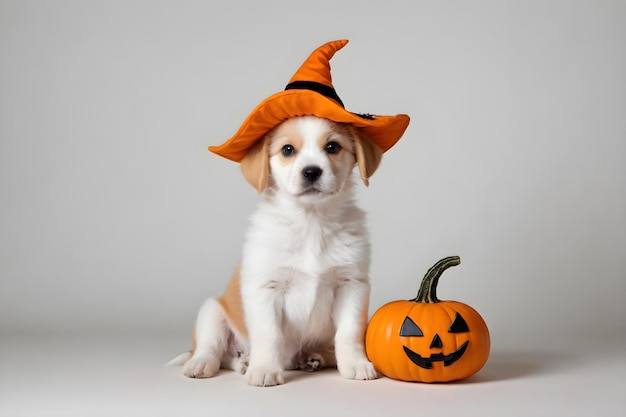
(428, 289)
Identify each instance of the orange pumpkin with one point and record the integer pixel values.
(425, 339)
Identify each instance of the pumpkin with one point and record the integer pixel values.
(426, 339)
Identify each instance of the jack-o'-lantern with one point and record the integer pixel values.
(426, 339)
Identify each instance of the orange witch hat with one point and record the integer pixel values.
(310, 92)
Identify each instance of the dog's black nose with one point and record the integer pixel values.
(312, 173)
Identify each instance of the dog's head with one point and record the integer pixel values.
(309, 158)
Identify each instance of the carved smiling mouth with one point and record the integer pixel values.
(427, 363)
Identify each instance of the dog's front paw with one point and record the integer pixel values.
(359, 369)
(264, 377)
(201, 366)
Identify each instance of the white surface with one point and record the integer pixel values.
(120, 374)
(113, 214)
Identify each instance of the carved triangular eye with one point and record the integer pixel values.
(458, 325)
(409, 328)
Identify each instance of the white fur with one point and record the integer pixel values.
(304, 272)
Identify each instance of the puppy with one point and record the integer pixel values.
(299, 299)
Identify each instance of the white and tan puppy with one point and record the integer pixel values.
(299, 299)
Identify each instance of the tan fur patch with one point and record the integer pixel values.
(255, 166)
(337, 133)
(232, 304)
(368, 157)
(342, 136)
(285, 134)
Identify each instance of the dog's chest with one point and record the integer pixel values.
(318, 255)
(310, 242)
(318, 245)
(302, 260)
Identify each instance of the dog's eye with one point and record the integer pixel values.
(288, 150)
(333, 147)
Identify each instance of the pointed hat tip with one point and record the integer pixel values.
(317, 66)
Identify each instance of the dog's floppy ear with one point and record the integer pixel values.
(255, 166)
(368, 156)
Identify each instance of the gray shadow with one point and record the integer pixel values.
(512, 365)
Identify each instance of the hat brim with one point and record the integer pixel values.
(384, 131)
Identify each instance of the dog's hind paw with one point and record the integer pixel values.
(241, 363)
(201, 366)
(311, 362)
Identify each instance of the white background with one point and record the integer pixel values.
(116, 222)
